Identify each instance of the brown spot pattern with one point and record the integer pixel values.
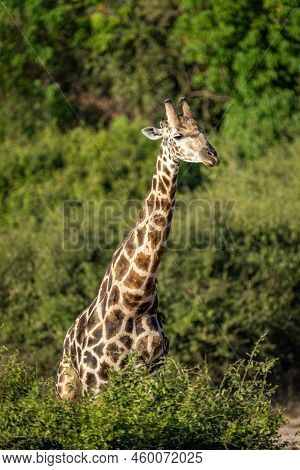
(166, 170)
(134, 280)
(97, 334)
(127, 341)
(154, 238)
(80, 330)
(165, 204)
(93, 320)
(157, 345)
(161, 187)
(103, 371)
(114, 352)
(151, 203)
(157, 258)
(141, 234)
(130, 245)
(159, 220)
(91, 380)
(144, 307)
(113, 323)
(142, 261)
(114, 296)
(142, 347)
(152, 323)
(166, 181)
(149, 286)
(103, 288)
(172, 192)
(139, 326)
(141, 215)
(131, 300)
(90, 360)
(129, 325)
(103, 306)
(98, 350)
(121, 268)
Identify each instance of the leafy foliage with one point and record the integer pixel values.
(243, 55)
(176, 409)
(95, 61)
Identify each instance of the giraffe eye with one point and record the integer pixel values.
(178, 136)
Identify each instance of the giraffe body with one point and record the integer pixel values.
(124, 317)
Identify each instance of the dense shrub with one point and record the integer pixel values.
(176, 409)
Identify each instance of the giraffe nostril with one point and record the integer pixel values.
(207, 152)
(210, 153)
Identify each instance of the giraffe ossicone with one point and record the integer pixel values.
(124, 317)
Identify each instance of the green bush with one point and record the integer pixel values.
(177, 409)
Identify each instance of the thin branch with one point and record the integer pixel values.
(209, 94)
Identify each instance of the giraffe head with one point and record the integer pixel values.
(183, 136)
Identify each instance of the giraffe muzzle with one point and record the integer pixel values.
(210, 157)
(214, 161)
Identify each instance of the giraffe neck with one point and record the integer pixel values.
(146, 243)
(135, 263)
(156, 215)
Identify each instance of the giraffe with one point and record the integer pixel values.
(124, 317)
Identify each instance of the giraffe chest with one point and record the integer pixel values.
(94, 344)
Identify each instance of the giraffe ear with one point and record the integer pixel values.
(153, 133)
